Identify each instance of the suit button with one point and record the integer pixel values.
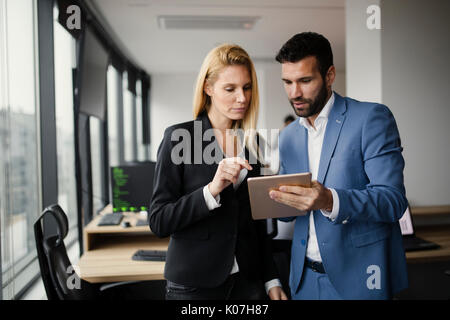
(303, 242)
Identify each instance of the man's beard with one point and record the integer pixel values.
(314, 105)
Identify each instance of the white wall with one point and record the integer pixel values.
(171, 103)
(415, 71)
(363, 53)
(405, 66)
(274, 105)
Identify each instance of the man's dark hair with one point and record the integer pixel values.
(307, 44)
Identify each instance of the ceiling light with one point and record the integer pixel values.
(206, 22)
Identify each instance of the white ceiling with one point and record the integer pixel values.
(134, 24)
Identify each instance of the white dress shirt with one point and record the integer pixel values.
(315, 142)
(213, 203)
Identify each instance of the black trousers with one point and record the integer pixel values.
(236, 287)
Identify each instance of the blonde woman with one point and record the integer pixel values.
(200, 197)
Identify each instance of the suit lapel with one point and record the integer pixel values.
(206, 125)
(336, 119)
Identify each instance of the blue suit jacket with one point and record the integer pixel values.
(361, 159)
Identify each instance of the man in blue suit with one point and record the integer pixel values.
(349, 244)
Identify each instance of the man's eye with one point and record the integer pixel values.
(229, 89)
(306, 80)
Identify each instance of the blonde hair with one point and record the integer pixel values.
(216, 60)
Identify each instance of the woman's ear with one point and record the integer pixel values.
(207, 89)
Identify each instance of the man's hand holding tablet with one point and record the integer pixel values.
(316, 197)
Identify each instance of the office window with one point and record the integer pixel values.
(19, 167)
(129, 110)
(65, 60)
(113, 116)
(97, 162)
(142, 149)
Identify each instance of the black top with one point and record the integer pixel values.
(203, 243)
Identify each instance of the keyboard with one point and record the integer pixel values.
(141, 222)
(149, 255)
(110, 219)
(414, 243)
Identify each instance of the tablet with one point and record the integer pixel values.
(263, 207)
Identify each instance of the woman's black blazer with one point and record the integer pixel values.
(203, 243)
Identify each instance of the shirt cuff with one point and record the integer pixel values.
(211, 202)
(272, 283)
(335, 211)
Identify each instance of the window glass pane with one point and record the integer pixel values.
(128, 123)
(143, 149)
(96, 162)
(19, 192)
(65, 139)
(113, 109)
(139, 125)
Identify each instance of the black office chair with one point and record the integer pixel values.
(54, 263)
(58, 273)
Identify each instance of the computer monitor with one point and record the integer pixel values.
(132, 186)
(410, 241)
(94, 63)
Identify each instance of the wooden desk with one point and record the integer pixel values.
(430, 210)
(93, 234)
(108, 251)
(436, 234)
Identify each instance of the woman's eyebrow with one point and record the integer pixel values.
(234, 84)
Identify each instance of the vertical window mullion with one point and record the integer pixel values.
(64, 112)
(47, 104)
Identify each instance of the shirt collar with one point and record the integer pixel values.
(323, 115)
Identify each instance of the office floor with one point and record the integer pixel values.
(427, 281)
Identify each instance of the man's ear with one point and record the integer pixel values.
(331, 75)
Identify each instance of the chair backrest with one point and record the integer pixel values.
(58, 275)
